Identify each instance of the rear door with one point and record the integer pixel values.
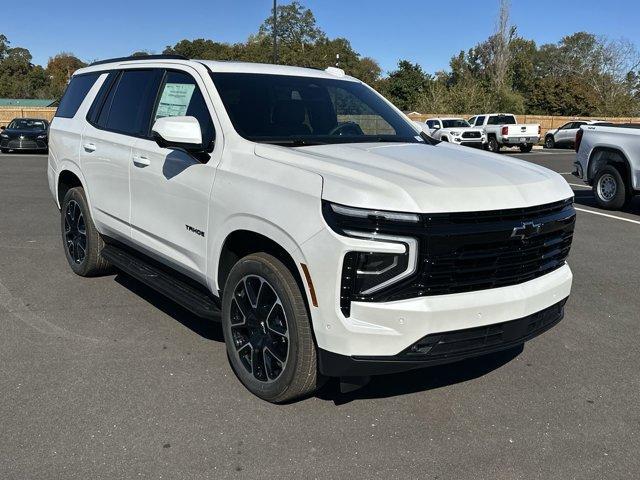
(115, 121)
(565, 133)
(170, 188)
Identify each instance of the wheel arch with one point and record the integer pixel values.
(602, 156)
(245, 240)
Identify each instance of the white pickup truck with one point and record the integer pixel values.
(503, 130)
(609, 160)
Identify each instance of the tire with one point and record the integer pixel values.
(549, 142)
(493, 145)
(75, 218)
(526, 148)
(277, 322)
(610, 190)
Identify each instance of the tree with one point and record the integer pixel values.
(406, 85)
(296, 27)
(59, 69)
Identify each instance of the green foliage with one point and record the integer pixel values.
(581, 75)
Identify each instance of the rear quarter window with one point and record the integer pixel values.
(75, 93)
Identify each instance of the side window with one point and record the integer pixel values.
(472, 121)
(106, 87)
(75, 93)
(493, 120)
(431, 123)
(180, 96)
(566, 126)
(479, 121)
(128, 105)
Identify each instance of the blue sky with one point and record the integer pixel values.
(425, 32)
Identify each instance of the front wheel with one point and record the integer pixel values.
(494, 146)
(610, 190)
(82, 242)
(267, 330)
(549, 142)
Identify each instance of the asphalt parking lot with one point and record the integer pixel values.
(101, 378)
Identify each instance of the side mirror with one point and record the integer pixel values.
(178, 132)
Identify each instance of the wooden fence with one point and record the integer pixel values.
(9, 113)
(547, 122)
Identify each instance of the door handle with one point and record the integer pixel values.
(89, 147)
(141, 161)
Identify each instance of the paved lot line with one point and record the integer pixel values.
(607, 215)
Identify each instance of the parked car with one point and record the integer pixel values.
(503, 130)
(305, 212)
(455, 130)
(565, 135)
(25, 134)
(609, 160)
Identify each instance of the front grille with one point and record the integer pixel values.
(469, 251)
(478, 340)
(25, 143)
(470, 134)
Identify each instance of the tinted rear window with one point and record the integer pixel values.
(128, 107)
(75, 93)
(502, 120)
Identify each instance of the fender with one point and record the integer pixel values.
(598, 158)
(253, 224)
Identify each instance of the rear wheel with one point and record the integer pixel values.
(610, 190)
(494, 146)
(82, 242)
(549, 142)
(267, 330)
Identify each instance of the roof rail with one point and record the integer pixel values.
(141, 57)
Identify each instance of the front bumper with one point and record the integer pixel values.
(23, 144)
(445, 347)
(375, 329)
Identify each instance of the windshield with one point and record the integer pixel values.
(455, 123)
(26, 124)
(294, 110)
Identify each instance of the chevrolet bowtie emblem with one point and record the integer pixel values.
(526, 230)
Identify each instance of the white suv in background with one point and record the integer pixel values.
(307, 214)
(565, 136)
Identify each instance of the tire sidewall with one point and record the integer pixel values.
(493, 145)
(621, 196)
(253, 265)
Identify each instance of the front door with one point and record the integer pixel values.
(170, 188)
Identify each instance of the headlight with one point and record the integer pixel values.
(4, 135)
(367, 274)
(41, 137)
(455, 134)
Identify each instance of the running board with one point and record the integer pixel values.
(195, 299)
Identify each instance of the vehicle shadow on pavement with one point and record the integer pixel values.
(211, 330)
(430, 378)
(586, 199)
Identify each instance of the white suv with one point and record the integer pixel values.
(304, 211)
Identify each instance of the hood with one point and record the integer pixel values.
(415, 177)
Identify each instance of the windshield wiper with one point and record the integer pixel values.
(292, 142)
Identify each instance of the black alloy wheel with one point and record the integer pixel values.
(259, 328)
(75, 232)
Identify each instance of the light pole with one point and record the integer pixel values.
(275, 32)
